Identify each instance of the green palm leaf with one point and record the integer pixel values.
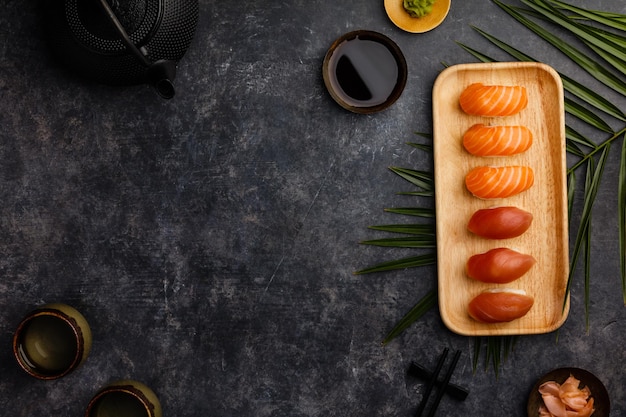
(591, 189)
(412, 211)
(609, 36)
(422, 179)
(576, 137)
(584, 61)
(426, 303)
(421, 146)
(410, 229)
(404, 263)
(621, 211)
(589, 36)
(571, 191)
(586, 116)
(420, 241)
(614, 20)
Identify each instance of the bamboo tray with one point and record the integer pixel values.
(547, 238)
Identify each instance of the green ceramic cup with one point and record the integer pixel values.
(124, 398)
(52, 341)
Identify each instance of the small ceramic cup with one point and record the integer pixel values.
(124, 398)
(52, 341)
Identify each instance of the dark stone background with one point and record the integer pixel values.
(211, 240)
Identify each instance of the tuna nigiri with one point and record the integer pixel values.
(493, 100)
(499, 182)
(499, 265)
(500, 305)
(500, 222)
(483, 140)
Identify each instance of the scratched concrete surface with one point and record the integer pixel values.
(211, 240)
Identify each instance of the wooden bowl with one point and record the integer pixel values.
(384, 65)
(599, 393)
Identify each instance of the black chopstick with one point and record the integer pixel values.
(431, 383)
(455, 391)
(444, 383)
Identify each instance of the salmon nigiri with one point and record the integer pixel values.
(493, 100)
(500, 305)
(499, 182)
(482, 140)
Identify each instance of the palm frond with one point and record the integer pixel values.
(419, 241)
(586, 116)
(426, 303)
(590, 37)
(593, 176)
(614, 20)
(410, 229)
(421, 179)
(574, 136)
(399, 264)
(621, 212)
(496, 350)
(412, 211)
(421, 146)
(587, 63)
(571, 191)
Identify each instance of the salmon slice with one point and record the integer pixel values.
(482, 140)
(499, 182)
(493, 100)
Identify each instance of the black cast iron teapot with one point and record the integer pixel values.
(122, 42)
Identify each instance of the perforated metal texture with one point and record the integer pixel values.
(85, 42)
(177, 29)
(90, 28)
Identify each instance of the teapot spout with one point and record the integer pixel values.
(161, 74)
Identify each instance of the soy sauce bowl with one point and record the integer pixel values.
(364, 71)
(598, 391)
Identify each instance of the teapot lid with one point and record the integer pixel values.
(88, 23)
(123, 42)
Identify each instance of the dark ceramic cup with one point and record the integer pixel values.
(52, 341)
(124, 398)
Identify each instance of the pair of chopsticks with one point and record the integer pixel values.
(432, 381)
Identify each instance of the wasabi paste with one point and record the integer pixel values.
(418, 8)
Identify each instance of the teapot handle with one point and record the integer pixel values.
(161, 72)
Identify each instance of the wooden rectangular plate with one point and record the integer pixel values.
(546, 239)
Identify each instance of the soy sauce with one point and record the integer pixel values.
(363, 72)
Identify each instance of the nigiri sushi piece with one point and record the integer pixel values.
(479, 99)
(500, 305)
(483, 140)
(503, 222)
(499, 182)
(499, 265)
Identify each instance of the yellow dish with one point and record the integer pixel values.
(400, 17)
